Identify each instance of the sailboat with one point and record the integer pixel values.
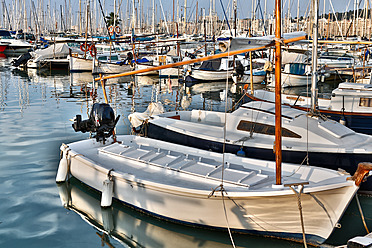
(196, 187)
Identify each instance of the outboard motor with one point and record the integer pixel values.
(21, 60)
(101, 121)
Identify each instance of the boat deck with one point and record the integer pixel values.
(187, 164)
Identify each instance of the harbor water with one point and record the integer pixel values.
(35, 112)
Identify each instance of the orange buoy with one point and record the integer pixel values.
(111, 29)
(93, 50)
(117, 30)
(84, 47)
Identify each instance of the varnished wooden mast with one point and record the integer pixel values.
(278, 95)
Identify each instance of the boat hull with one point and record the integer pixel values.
(80, 64)
(111, 68)
(292, 80)
(359, 122)
(211, 75)
(3, 47)
(262, 213)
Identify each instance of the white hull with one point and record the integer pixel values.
(256, 79)
(187, 197)
(211, 75)
(110, 68)
(169, 72)
(145, 66)
(79, 64)
(291, 80)
(135, 230)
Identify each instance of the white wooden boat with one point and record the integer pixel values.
(218, 69)
(259, 76)
(106, 67)
(185, 185)
(105, 63)
(293, 75)
(158, 60)
(78, 64)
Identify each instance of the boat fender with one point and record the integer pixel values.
(107, 191)
(343, 121)
(93, 50)
(63, 167)
(241, 153)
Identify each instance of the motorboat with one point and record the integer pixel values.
(251, 130)
(349, 103)
(15, 47)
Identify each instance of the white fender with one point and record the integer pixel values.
(62, 168)
(107, 193)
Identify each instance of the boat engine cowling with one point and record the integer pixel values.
(101, 121)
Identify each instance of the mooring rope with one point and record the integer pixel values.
(298, 195)
(361, 213)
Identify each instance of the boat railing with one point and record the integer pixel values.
(322, 95)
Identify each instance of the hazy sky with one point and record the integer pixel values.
(165, 7)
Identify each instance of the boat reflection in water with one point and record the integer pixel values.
(134, 229)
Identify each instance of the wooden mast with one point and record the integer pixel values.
(278, 96)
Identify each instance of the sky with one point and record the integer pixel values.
(165, 7)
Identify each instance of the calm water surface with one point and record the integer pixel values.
(35, 108)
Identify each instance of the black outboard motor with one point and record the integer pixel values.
(101, 121)
(21, 60)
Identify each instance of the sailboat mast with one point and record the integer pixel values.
(278, 95)
(314, 59)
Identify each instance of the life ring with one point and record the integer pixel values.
(111, 29)
(93, 50)
(117, 30)
(82, 47)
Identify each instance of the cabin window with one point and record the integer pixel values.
(264, 129)
(101, 58)
(365, 102)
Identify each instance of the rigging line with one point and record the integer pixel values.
(227, 20)
(223, 153)
(104, 19)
